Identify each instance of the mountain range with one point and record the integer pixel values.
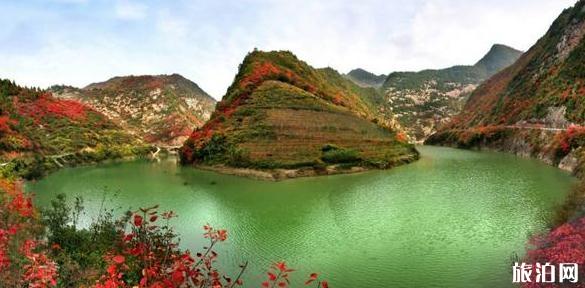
(39, 132)
(423, 100)
(536, 107)
(161, 109)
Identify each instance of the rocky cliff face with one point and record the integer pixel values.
(161, 109)
(282, 113)
(424, 100)
(536, 107)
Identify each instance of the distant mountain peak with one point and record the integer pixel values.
(498, 57)
(545, 79)
(423, 100)
(140, 81)
(365, 78)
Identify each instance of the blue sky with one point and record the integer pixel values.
(78, 42)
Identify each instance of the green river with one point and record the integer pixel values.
(451, 219)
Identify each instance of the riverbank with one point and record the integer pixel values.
(34, 166)
(560, 148)
(280, 174)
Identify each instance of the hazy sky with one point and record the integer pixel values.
(76, 42)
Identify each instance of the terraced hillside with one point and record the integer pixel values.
(536, 107)
(38, 131)
(161, 109)
(282, 113)
(423, 100)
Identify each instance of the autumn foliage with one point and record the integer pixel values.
(148, 256)
(260, 72)
(46, 105)
(563, 244)
(23, 258)
(573, 137)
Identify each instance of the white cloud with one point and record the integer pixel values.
(70, 1)
(448, 32)
(170, 26)
(128, 10)
(205, 41)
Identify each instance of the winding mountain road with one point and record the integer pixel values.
(535, 128)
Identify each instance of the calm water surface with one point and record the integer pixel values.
(451, 219)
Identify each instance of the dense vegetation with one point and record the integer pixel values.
(161, 109)
(39, 132)
(281, 113)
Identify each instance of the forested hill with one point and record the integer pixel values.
(282, 113)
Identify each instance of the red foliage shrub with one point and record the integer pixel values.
(40, 271)
(154, 84)
(21, 205)
(187, 153)
(564, 244)
(401, 137)
(338, 98)
(260, 72)
(5, 123)
(566, 140)
(205, 132)
(23, 261)
(150, 253)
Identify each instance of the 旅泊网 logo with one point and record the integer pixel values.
(545, 273)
